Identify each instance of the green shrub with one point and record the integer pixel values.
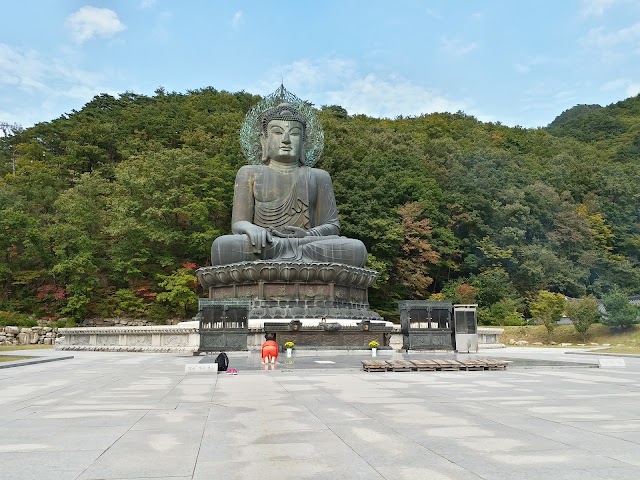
(16, 319)
(179, 291)
(130, 305)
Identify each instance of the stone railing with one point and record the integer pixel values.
(12, 335)
(161, 339)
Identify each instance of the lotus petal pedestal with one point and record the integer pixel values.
(293, 290)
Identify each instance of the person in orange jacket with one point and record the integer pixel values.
(269, 350)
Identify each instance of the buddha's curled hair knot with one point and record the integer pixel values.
(284, 111)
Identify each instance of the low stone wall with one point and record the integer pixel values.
(167, 338)
(490, 337)
(160, 339)
(11, 335)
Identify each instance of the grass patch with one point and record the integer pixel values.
(597, 333)
(12, 358)
(6, 348)
(627, 350)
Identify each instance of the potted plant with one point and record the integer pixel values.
(373, 345)
(289, 347)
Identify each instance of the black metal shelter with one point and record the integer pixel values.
(426, 325)
(224, 325)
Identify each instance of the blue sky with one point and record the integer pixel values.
(518, 62)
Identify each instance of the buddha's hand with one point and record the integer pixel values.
(289, 231)
(258, 236)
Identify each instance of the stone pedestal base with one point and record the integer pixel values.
(292, 290)
(317, 305)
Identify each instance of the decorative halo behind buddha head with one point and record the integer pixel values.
(281, 105)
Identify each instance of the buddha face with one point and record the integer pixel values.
(284, 141)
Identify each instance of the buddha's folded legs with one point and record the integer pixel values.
(339, 250)
(237, 248)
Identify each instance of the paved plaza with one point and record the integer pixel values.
(139, 416)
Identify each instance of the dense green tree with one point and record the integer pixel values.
(583, 312)
(547, 308)
(504, 312)
(179, 290)
(109, 200)
(618, 312)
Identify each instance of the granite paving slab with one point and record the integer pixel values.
(129, 416)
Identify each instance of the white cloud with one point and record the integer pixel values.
(632, 89)
(595, 8)
(147, 3)
(50, 83)
(306, 73)
(628, 87)
(457, 47)
(162, 28)
(616, 84)
(390, 97)
(600, 38)
(528, 64)
(28, 71)
(237, 19)
(23, 69)
(433, 14)
(11, 118)
(89, 22)
(340, 82)
(547, 100)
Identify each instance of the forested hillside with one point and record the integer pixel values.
(107, 210)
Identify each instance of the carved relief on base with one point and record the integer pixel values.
(175, 340)
(79, 339)
(139, 340)
(108, 340)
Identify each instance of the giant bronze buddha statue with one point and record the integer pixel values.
(285, 259)
(283, 209)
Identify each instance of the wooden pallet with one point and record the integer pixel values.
(374, 365)
(449, 365)
(470, 365)
(400, 365)
(425, 365)
(432, 365)
(493, 364)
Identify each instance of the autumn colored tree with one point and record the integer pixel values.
(465, 293)
(417, 255)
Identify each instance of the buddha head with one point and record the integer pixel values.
(283, 135)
